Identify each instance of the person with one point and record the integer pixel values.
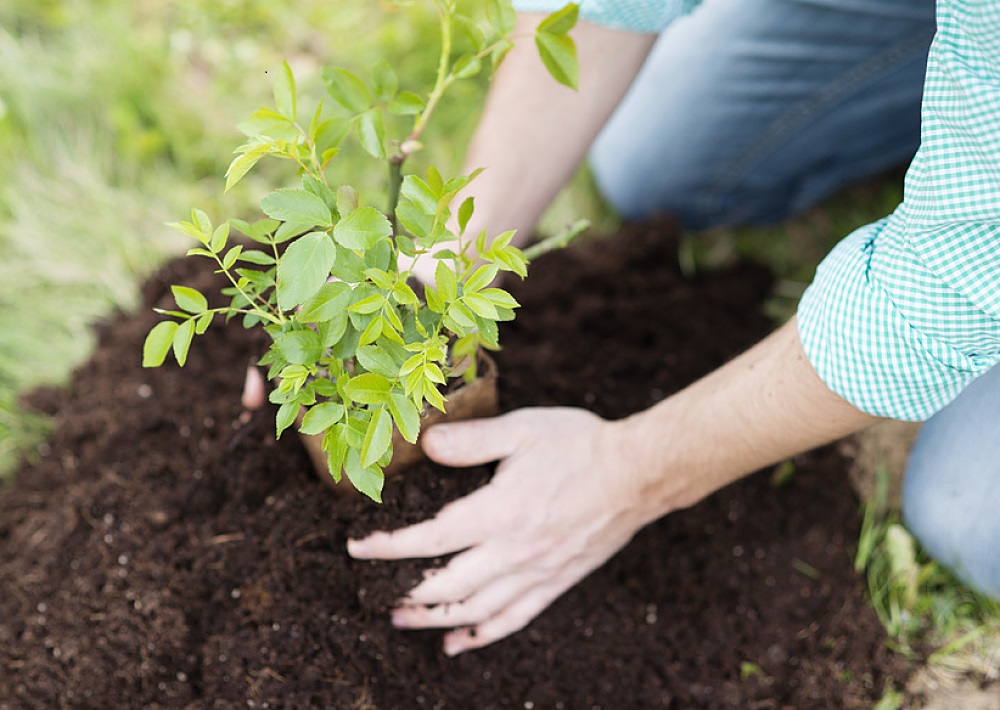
(734, 112)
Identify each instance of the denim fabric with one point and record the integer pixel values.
(951, 492)
(748, 111)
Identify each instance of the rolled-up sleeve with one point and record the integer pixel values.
(904, 313)
(649, 16)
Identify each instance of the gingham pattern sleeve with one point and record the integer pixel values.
(634, 15)
(904, 313)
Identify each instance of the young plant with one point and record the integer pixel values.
(355, 349)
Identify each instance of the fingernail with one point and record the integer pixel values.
(357, 548)
(397, 620)
(453, 648)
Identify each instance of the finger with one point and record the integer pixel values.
(464, 575)
(478, 608)
(475, 441)
(508, 621)
(460, 525)
(253, 389)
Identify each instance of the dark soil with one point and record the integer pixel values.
(163, 554)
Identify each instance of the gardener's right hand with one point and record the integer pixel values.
(560, 504)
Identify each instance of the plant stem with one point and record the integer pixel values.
(556, 241)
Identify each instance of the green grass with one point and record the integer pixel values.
(925, 609)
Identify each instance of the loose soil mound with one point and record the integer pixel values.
(164, 554)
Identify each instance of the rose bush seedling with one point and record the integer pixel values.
(356, 348)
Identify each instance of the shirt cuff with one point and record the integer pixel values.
(857, 326)
(649, 16)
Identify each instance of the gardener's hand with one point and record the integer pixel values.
(557, 508)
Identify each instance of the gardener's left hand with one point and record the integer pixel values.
(557, 508)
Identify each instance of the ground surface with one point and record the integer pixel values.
(162, 554)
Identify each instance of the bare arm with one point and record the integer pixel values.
(534, 133)
(572, 489)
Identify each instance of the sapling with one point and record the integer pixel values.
(356, 347)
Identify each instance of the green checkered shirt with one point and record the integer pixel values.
(905, 312)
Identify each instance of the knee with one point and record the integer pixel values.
(955, 524)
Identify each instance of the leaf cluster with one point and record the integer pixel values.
(356, 347)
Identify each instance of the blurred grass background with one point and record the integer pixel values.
(117, 116)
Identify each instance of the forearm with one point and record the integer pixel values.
(764, 406)
(534, 133)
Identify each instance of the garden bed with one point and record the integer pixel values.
(164, 552)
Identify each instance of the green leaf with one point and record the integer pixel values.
(331, 299)
(321, 190)
(347, 200)
(371, 132)
(333, 329)
(268, 123)
(384, 80)
(461, 315)
(368, 480)
(182, 341)
(419, 192)
(350, 267)
(368, 304)
(433, 299)
(481, 278)
(231, 256)
(368, 388)
(404, 295)
(329, 135)
(157, 343)
(468, 27)
(335, 444)
(201, 221)
(380, 278)
(219, 237)
(406, 415)
(467, 67)
(285, 416)
(347, 89)
(202, 322)
(558, 54)
(499, 297)
(465, 212)
(501, 15)
(488, 331)
(444, 279)
(284, 93)
(378, 437)
(244, 162)
(377, 360)
(299, 206)
(304, 268)
(406, 103)
(300, 347)
(290, 230)
(321, 417)
(414, 218)
(373, 331)
(260, 231)
(480, 305)
(362, 228)
(256, 256)
(499, 53)
(561, 21)
(189, 299)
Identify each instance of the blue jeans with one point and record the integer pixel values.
(748, 111)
